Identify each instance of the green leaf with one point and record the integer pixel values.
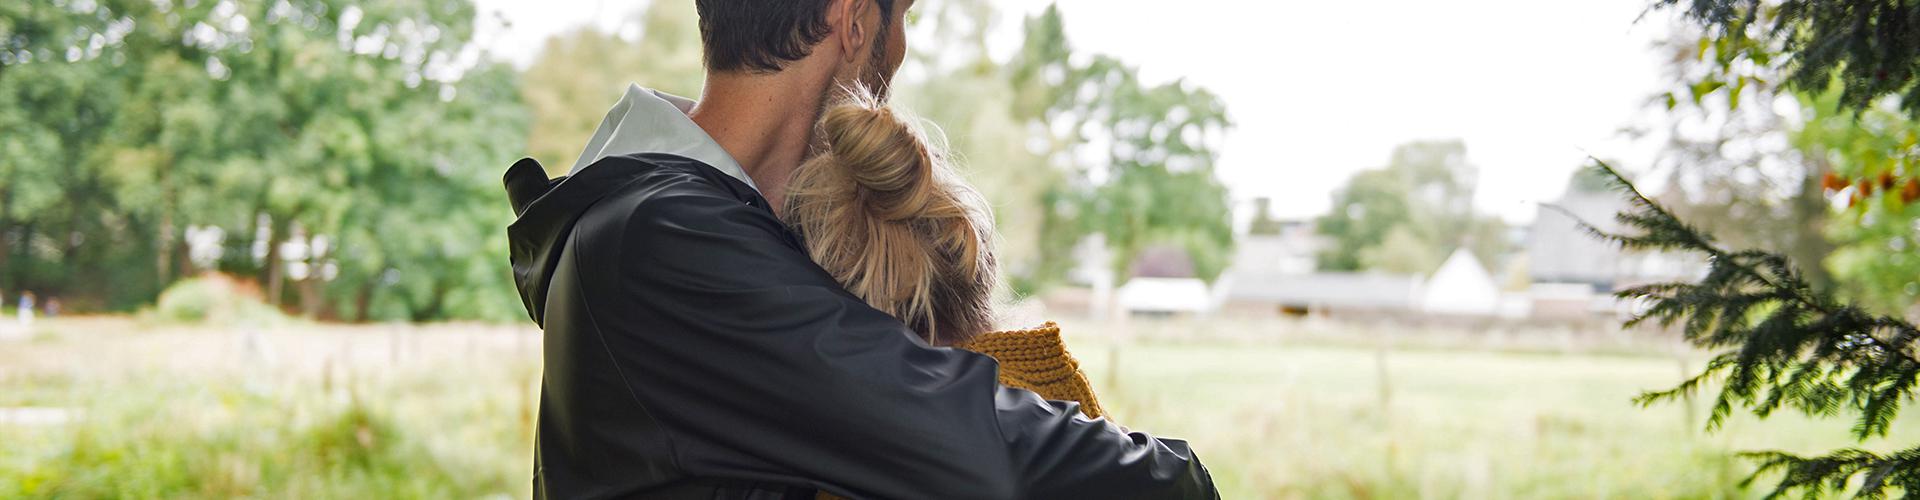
(1701, 89)
(1733, 96)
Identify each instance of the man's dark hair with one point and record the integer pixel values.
(762, 36)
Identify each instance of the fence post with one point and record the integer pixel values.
(1381, 344)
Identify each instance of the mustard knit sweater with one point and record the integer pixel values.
(1037, 360)
(1034, 359)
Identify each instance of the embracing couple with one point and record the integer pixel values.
(782, 291)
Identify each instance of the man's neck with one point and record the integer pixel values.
(764, 122)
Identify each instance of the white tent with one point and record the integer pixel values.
(1461, 287)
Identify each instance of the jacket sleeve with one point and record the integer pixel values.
(761, 367)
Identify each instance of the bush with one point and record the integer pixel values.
(214, 299)
(224, 443)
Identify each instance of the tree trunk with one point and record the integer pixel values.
(18, 273)
(6, 231)
(70, 250)
(435, 304)
(183, 262)
(1809, 208)
(6, 254)
(163, 249)
(310, 296)
(363, 301)
(273, 272)
(6, 251)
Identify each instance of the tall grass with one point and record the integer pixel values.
(341, 429)
(1340, 413)
(1280, 410)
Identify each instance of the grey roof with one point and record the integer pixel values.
(1559, 251)
(1330, 290)
(1163, 261)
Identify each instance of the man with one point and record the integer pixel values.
(694, 351)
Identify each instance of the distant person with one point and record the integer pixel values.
(694, 350)
(53, 307)
(25, 313)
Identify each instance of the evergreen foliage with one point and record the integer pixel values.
(1868, 48)
(1780, 342)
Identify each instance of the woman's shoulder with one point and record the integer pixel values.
(1047, 329)
(1040, 342)
(1036, 359)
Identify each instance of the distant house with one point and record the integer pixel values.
(1165, 296)
(1575, 273)
(1275, 272)
(1558, 251)
(1163, 281)
(1292, 250)
(1321, 293)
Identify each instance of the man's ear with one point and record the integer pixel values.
(850, 28)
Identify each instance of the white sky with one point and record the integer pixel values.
(1320, 90)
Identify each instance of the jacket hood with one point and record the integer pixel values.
(643, 121)
(651, 121)
(545, 211)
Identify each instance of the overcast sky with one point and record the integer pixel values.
(1320, 90)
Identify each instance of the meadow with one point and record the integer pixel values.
(125, 407)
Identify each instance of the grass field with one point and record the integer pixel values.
(114, 407)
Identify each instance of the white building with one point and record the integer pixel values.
(1461, 287)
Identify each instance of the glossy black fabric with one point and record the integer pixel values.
(694, 351)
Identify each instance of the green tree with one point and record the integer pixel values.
(268, 119)
(1141, 157)
(581, 73)
(1875, 260)
(1863, 49)
(1780, 342)
(1402, 252)
(1408, 216)
(1785, 336)
(964, 93)
(1754, 166)
(1731, 167)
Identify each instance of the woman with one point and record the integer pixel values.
(882, 212)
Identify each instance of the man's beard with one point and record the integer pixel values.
(875, 78)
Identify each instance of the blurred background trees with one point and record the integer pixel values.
(344, 151)
(1822, 178)
(579, 74)
(1140, 158)
(1407, 217)
(343, 156)
(1800, 118)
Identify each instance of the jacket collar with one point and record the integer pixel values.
(651, 121)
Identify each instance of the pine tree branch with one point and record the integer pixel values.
(1781, 342)
(1694, 239)
(1834, 470)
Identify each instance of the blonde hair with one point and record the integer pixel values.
(884, 214)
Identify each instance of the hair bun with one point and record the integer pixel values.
(882, 212)
(884, 156)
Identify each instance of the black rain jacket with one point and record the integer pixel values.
(693, 350)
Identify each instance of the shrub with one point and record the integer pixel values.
(214, 298)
